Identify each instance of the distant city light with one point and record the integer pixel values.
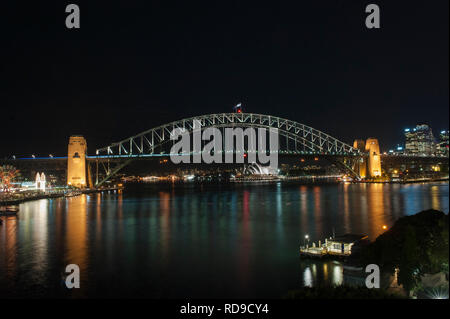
(406, 129)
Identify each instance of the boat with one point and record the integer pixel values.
(9, 210)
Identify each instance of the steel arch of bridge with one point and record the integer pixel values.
(145, 143)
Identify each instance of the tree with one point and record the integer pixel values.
(409, 265)
(415, 245)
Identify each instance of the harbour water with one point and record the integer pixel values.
(187, 240)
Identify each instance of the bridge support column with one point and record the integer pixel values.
(76, 161)
(369, 166)
(361, 165)
(373, 148)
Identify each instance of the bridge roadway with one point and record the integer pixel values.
(60, 162)
(311, 142)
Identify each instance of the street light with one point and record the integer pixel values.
(306, 239)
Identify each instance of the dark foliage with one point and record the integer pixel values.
(416, 245)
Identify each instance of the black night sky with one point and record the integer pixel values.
(136, 64)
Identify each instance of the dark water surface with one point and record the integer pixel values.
(195, 241)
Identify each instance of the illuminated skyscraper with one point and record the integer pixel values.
(419, 141)
(442, 146)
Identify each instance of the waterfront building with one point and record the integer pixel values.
(343, 246)
(76, 161)
(419, 141)
(442, 147)
(40, 181)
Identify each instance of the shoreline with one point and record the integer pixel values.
(280, 180)
(51, 196)
(404, 182)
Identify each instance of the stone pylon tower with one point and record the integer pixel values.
(361, 166)
(373, 148)
(76, 161)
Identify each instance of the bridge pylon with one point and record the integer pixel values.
(369, 165)
(76, 161)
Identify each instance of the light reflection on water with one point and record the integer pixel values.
(195, 241)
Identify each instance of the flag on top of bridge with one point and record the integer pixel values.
(238, 108)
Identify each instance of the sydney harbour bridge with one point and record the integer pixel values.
(295, 139)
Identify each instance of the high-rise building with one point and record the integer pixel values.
(420, 141)
(442, 146)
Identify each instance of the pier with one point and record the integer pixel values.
(21, 197)
(340, 246)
